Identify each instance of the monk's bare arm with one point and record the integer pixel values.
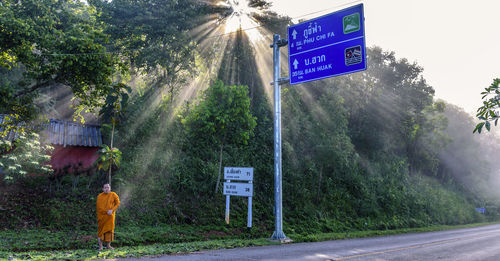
(117, 203)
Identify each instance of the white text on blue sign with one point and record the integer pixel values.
(328, 46)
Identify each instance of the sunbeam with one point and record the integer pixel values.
(241, 16)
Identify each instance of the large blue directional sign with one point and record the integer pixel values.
(330, 45)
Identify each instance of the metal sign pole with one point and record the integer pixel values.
(278, 233)
(228, 201)
(238, 188)
(249, 214)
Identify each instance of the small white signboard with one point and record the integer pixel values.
(238, 189)
(237, 173)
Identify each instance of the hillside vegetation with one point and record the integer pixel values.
(372, 150)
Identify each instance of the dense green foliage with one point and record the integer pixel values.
(83, 46)
(152, 37)
(469, 160)
(367, 151)
(369, 144)
(489, 111)
(222, 118)
(45, 41)
(25, 156)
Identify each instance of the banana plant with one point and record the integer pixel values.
(116, 101)
(109, 157)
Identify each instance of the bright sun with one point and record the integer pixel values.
(241, 16)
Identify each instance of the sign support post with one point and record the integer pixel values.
(238, 188)
(278, 212)
(249, 215)
(327, 46)
(228, 201)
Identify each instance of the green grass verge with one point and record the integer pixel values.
(44, 239)
(133, 251)
(90, 252)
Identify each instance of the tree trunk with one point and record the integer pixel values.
(319, 184)
(111, 158)
(220, 168)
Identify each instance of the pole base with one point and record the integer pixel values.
(280, 237)
(282, 241)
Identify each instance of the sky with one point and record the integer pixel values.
(456, 42)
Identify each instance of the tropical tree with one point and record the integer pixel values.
(489, 112)
(222, 118)
(391, 110)
(116, 101)
(24, 156)
(468, 159)
(52, 43)
(152, 36)
(259, 4)
(109, 157)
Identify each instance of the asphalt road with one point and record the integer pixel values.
(482, 243)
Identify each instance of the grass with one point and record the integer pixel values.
(134, 251)
(43, 239)
(35, 246)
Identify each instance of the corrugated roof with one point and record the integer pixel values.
(69, 133)
(65, 133)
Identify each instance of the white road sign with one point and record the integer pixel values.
(237, 173)
(238, 189)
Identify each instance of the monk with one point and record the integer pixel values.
(107, 203)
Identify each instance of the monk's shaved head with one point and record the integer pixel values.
(106, 188)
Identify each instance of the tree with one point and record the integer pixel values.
(469, 159)
(25, 156)
(116, 101)
(489, 112)
(53, 42)
(391, 110)
(261, 4)
(152, 35)
(109, 157)
(223, 117)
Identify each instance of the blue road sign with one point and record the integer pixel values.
(330, 45)
(481, 210)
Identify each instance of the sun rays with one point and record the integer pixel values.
(215, 39)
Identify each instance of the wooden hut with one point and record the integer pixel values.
(75, 145)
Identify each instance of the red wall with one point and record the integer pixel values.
(72, 155)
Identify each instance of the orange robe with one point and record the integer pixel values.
(105, 222)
